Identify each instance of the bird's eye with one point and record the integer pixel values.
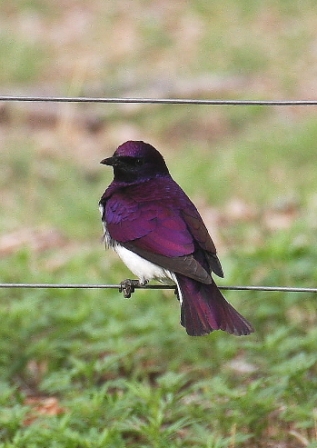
(132, 162)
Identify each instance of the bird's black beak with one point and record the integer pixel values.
(109, 161)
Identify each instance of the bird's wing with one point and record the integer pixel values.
(157, 232)
(200, 233)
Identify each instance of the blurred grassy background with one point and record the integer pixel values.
(83, 368)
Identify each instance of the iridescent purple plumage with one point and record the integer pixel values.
(159, 233)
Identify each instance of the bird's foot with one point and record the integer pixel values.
(127, 287)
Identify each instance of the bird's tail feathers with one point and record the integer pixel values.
(204, 309)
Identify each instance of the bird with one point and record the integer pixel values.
(159, 234)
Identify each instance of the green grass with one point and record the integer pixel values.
(88, 368)
(124, 372)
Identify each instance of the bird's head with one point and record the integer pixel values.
(136, 161)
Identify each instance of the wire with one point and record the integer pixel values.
(176, 101)
(57, 99)
(106, 286)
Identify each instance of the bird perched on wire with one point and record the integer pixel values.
(159, 234)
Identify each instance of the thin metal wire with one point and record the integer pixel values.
(106, 286)
(175, 101)
(215, 102)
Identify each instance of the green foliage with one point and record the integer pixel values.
(126, 374)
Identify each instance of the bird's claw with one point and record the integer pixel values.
(128, 286)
